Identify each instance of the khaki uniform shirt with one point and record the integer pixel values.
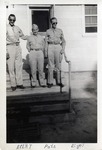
(35, 42)
(54, 36)
(13, 34)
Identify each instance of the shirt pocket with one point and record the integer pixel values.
(58, 34)
(51, 35)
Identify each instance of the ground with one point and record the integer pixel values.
(81, 127)
(78, 126)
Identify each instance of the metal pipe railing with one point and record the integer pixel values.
(60, 82)
(69, 83)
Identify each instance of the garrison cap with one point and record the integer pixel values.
(34, 26)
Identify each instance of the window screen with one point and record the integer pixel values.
(90, 18)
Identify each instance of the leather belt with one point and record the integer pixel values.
(14, 44)
(53, 43)
(37, 49)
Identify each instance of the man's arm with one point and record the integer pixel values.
(66, 59)
(43, 45)
(28, 46)
(63, 44)
(22, 36)
(46, 45)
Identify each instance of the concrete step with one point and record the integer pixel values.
(36, 97)
(26, 80)
(26, 75)
(37, 108)
(27, 83)
(82, 84)
(23, 132)
(26, 133)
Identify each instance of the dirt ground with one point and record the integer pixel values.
(79, 126)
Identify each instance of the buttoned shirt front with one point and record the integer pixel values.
(13, 34)
(54, 36)
(35, 42)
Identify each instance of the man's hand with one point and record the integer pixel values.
(46, 54)
(29, 49)
(62, 51)
(66, 59)
(7, 56)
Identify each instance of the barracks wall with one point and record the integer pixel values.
(81, 49)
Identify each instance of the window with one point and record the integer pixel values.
(90, 18)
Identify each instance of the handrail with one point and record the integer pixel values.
(69, 85)
(69, 90)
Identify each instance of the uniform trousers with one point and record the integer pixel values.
(54, 60)
(36, 60)
(15, 65)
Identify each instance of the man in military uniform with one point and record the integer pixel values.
(54, 49)
(14, 54)
(35, 46)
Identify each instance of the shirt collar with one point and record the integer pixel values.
(53, 29)
(11, 26)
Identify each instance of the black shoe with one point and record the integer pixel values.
(50, 85)
(43, 86)
(13, 88)
(60, 84)
(20, 87)
(33, 86)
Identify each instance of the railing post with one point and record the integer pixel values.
(69, 67)
(60, 82)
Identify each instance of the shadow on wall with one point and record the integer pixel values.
(92, 85)
(26, 67)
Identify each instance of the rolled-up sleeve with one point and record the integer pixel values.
(63, 42)
(21, 35)
(28, 45)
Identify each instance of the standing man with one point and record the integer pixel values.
(35, 46)
(55, 46)
(14, 53)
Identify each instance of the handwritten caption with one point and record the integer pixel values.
(49, 146)
(73, 146)
(77, 146)
(24, 146)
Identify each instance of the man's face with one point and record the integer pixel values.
(11, 20)
(54, 23)
(35, 30)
